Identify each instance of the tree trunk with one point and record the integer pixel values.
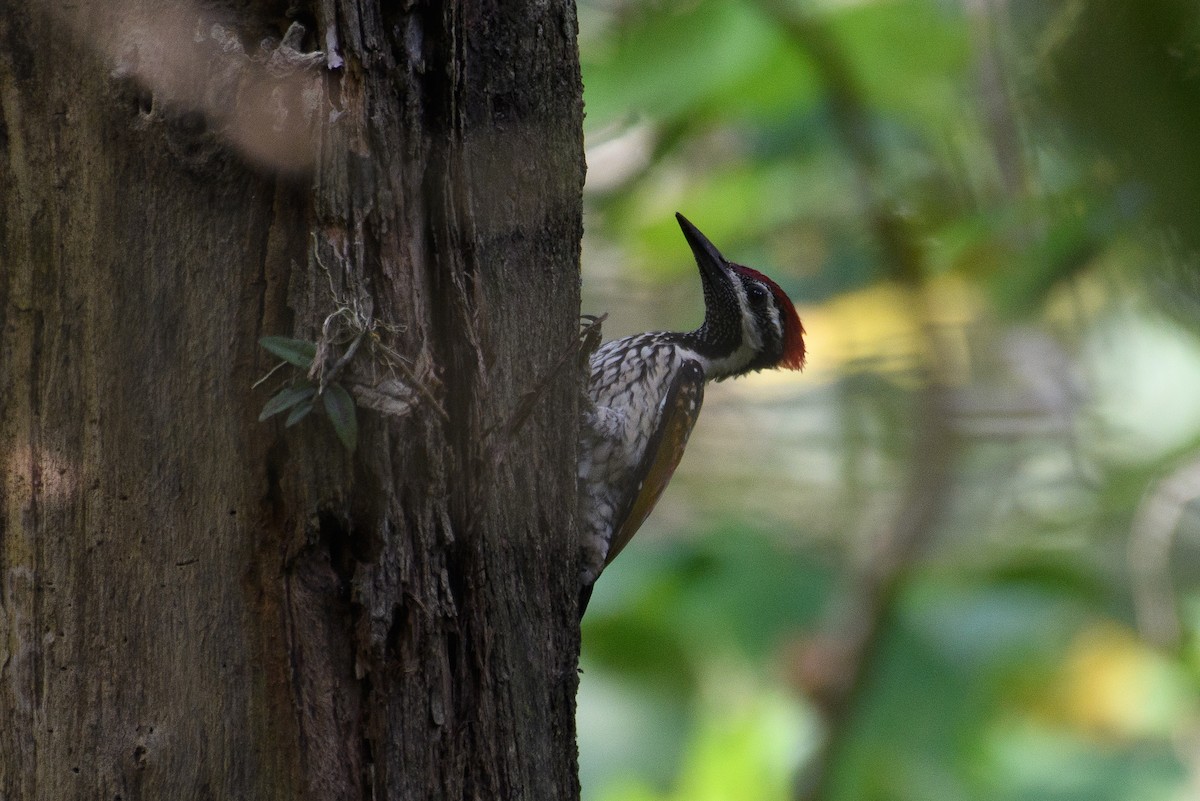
(194, 604)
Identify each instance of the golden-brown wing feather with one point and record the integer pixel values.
(677, 414)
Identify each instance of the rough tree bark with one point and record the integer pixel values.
(194, 604)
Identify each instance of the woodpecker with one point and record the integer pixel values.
(646, 391)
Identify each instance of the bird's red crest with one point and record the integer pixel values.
(793, 329)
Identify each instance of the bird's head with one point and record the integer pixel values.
(749, 322)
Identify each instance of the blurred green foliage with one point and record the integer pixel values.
(1019, 177)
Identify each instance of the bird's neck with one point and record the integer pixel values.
(722, 353)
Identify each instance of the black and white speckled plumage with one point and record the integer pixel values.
(630, 381)
(646, 391)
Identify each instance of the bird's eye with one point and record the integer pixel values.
(757, 293)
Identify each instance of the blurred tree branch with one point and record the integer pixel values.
(995, 99)
(1151, 539)
(869, 604)
(852, 125)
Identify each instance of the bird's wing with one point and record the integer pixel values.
(676, 415)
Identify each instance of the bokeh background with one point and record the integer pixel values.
(956, 558)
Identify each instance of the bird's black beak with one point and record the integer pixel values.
(708, 258)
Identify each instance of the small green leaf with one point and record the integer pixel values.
(340, 408)
(298, 352)
(286, 399)
(300, 411)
